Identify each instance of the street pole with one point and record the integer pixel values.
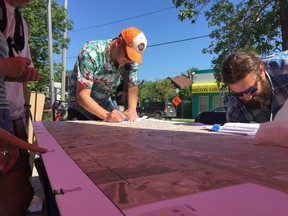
(50, 50)
(63, 81)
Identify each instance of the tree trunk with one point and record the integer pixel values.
(284, 23)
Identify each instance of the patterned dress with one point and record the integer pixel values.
(95, 70)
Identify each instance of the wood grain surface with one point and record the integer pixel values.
(148, 161)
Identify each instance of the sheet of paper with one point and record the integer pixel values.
(246, 199)
(235, 128)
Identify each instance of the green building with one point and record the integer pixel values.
(206, 94)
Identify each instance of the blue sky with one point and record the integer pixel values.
(160, 61)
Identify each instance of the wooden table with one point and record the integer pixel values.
(149, 161)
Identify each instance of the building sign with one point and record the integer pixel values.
(207, 88)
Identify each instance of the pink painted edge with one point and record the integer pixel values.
(64, 173)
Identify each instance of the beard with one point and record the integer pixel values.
(262, 99)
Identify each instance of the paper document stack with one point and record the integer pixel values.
(239, 128)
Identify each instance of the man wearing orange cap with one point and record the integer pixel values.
(98, 72)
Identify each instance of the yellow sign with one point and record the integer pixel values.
(206, 88)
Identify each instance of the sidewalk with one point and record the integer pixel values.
(35, 181)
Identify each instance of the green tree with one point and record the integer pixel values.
(35, 14)
(147, 92)
(190, 72)
(261, 25)
(159, 90)
(57, 72)
(165, 90)
(185, 94)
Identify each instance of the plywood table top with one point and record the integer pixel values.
(148, 161)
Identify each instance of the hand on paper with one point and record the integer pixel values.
(115, 116)
(131, 115)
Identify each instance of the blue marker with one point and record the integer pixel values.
(216, 127)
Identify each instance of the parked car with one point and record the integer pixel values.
(158, 110)
(215, 116)
(220, 109)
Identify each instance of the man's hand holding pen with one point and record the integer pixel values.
(115, 116)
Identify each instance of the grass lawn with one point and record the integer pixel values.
(182, 120)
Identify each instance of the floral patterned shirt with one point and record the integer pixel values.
(95, 70)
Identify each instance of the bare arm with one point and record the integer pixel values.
(9, 153)
(8, 140)
(132, 103)
(132, 97)
(84, 99)
(29, 74)
(14, 67)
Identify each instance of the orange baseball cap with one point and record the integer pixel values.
(136, 43)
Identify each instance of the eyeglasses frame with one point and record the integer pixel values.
(251, 90)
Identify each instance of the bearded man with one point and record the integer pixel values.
(257, 93)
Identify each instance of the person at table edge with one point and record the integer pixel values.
(258, 90)
(98, 72)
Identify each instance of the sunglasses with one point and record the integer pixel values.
(249, 91)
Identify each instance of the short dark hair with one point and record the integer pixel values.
(239, 64)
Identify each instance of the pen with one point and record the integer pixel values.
(117, 107)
